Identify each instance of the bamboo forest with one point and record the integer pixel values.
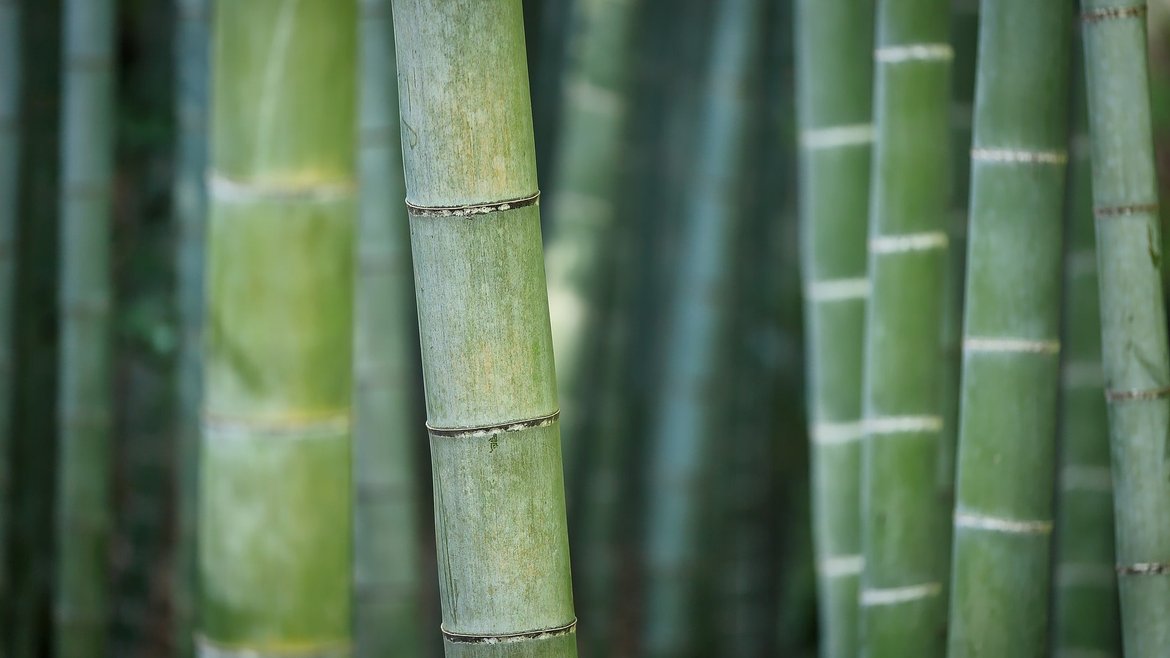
(611, 328)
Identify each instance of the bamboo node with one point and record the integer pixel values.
(1143, 569)
(224, 189)
(903, 424)
(899, 244)
(914, 52)
(209, 648)
(1138, 395)
(982, 344)
(504, 638)
(474, 209)
(1018, 156)
(840, 566)
(584, 94)
(972, 521)
(1110, 13)
(898, 595)
(316, 427)
(499, 428)
(838, 290)
(1126, 211)
(829, 137)
(824, 434)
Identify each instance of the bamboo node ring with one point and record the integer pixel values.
(461, 638)
(473, 209)
(1108, 13)
(1139, 395)
(1143, 569)
(498, 428)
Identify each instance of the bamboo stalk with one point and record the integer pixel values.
(10, 182)
(274, 526)
(835, 83)
(190, 208)
(687, 417)
(491, 393)
(84, 405)
(1003, 510)
(1085, 605)
(1133, 328)
(903, 577)
(386, 564)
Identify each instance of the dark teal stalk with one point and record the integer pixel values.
(386, 569)
(84, 398)
(834, 90)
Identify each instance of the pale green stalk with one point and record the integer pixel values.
(1133, 320)
(834, 97)
(84, 501)
(1011, 334)
(492, 409)
(386, 566)
(1085, 606)
(275, 490)
(903, 520)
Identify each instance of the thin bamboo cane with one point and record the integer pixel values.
(1003, 509)
(190, 208)
(84, 404)
(835, 85)
(687, 417)
(903, 611)
(274, 526)
(1085, 605)
(386, 564)
(1133, 321)
(483, 316)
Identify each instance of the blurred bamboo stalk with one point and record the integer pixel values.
(275, 488)
(1011, 335)
(688, 411)
(386, 565)
(1085, 606)
(904, 572)
(1133, 320)
(84, 501)
(835, 98)
(491, 393)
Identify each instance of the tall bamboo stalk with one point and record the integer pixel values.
(483, 317)
(190, 208)
(275, 530)
(84, 404)
(902, 518)
(1085, 605)
(687, 417)
(1133, 321)
(834, 90)
(386, 565)
(10, 173)
(1011, 342)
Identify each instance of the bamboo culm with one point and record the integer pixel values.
(1003, 515)
(686, 419)
(1133, 320)
(275, 486)
(491, 396)
(834, 90)
(1085, 608)
(84, 405)
(386, 565)
(903, 610)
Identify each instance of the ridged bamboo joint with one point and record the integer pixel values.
(491, 396)
(274, 533)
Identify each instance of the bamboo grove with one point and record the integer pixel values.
(533, 329)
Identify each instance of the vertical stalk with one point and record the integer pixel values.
(688, 414)
(1003, 509)
(903, 611)
(1085, 592)
(275, 531)
(84, 405)
(835, 96)
(190, 208)
(386, 565)
(1133, 320)
(491, 393)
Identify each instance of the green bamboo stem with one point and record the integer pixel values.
(10, 178)
(190, 208)
(1003, 510)
(1133, 321)
(386, 565)
(579, 258)
(903, 611)
(688, 415)
(491, 394)
(1085, 607)
(274, 525)
(84, 404)
(834, 97)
